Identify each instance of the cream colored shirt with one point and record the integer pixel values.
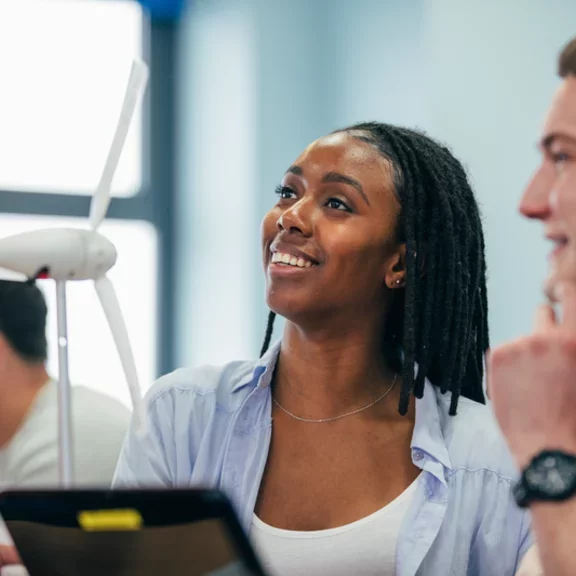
(366, 547)
(30, 459)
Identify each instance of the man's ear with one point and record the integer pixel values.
(395, 276)
(5, 349)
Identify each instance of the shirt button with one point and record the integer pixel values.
(417, 455)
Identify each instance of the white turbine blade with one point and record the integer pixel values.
(111, 307)
(136, 85)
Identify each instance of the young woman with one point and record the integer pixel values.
(340, 447)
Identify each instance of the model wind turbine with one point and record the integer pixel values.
(68, 254)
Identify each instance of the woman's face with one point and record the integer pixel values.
(329, 244)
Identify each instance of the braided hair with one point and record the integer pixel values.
(440, 320)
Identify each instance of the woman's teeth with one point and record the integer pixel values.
(288, 259)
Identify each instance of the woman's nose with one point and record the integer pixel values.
(296, 219)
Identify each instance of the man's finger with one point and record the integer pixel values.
(487, 367)
(545, 318)
(9, 556)
(565, 295)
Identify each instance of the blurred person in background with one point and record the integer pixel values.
(359, 443)
(532, 381)
(29, 455)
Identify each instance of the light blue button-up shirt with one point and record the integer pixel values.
(211, 427)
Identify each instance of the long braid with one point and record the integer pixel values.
(414, 258)
(475, 282)
(429, 289)
(445, 327)
(457, 359)
(449, 269)
(411, 297)
(269, 330)
(440, 322)
(425, 219)
(458, 352)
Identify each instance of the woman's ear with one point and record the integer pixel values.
(396, 269)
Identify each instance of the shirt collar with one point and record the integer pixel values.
(428, 436)
(261, 373)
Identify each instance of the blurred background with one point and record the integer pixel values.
(237, 89)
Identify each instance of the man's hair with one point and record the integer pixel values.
(567, 60)
(440, 320)
(23, 319)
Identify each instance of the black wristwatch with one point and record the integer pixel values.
(550, 477)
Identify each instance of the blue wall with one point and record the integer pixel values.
(261, 79)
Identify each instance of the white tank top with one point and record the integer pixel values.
(366, 547)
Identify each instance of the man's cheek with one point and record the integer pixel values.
(566, 196)
(571, 181)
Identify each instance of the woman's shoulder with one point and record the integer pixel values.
(226, 383)
(474, 440)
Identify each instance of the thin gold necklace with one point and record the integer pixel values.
(322, 420)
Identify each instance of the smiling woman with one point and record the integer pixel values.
(451, 286)
(340, 447)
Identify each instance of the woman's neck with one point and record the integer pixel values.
(326, 373)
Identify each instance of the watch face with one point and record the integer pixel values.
(551, 474)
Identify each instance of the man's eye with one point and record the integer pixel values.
(560, 158)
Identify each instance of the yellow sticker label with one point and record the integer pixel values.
(110, 520)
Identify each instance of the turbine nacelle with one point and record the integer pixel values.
(61, 254)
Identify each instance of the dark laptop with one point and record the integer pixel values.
(128, 533)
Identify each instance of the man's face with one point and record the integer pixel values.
(551, 195)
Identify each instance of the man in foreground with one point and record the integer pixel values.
(532, 381)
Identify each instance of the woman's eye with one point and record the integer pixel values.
(338, 205)
(285, 193)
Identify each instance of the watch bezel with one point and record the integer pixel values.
(528, 490)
